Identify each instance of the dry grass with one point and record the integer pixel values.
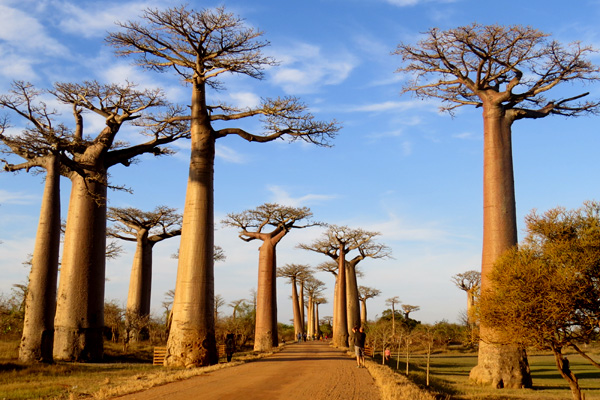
(99, 381)
(394, 386)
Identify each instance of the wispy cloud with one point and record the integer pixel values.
(407, 3)
(281, 196)
(7, 197)
(394, 106)
(229, 155)
(467, 136)
(304, 68)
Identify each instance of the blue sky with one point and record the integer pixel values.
(398, 166)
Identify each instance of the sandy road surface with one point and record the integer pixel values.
(309, 370)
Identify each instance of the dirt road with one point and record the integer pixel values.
(309, 370)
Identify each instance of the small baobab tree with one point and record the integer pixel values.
(392, 301)
(314, 288)
(146, 229)
(365, 293)
(252, 225)
(407, 309)
(200, 47)
(508, 71)
(470, 282)
(295, 273)
(337, 243)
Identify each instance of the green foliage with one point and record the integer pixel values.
(12, 312)
(547, 291)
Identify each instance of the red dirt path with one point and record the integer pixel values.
(309, 370)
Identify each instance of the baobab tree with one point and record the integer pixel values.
(252, 224)
(365, 293)
(407, 309)
(235, 304)
(201, 46)
(507, 71)
(294, 273)
(85, 160)
(40, 147)
(392, 301)
(314, 288)
(336, 243)
(470, 282)
(146, 229)
(219, 302)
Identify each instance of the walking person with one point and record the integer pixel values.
(359, 346)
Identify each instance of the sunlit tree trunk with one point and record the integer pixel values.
(140, 282)
(501, 365)
(266, 307)
(301, 305)
(296, 308)
(363, 312)
(317, 327)
(191, 340)
(80, 303)
(352, 303)
(340, 324)
(40, 306)
(310, 312)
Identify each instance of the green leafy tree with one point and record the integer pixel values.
(546, 292)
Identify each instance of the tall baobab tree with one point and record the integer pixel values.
(219, 302)
(40, 147)
(314, 289)
(318, 300)
(365, 293)
(146, 229)
(407, 309)
(235, 304)
(339, 241)
(85, 160)
(507, 71)
(252, 224)
(470, 282)
(294, 273)
(392, 301)
(201, 46)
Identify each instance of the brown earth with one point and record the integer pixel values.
(309, 370)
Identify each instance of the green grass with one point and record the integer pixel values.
(450, 376)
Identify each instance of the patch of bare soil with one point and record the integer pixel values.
(309, 370)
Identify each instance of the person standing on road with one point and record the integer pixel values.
(359, 346)
(229, 346)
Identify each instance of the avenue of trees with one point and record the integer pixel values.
(542, 293)
(507, 71)
(201, 46)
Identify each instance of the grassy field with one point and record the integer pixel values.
(132, 371)
(450, 376)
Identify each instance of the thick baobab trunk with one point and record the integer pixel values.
(340, 324)
(317, 327)
(310, 312)
(500, 365)
(40, 306)
(363, 312)
(140, 282)
(352, 302)
(296, 308)
(80, 303)
(192, 340)
(471, 306)
(301, 305)
(140, 286)
(265, 332)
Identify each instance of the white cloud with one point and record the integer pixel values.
(304, 69)
(230, 155)
(467, 136)
(394, 106)
(245, 100)
(7, 197)
(13, 22)
(281, 196)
